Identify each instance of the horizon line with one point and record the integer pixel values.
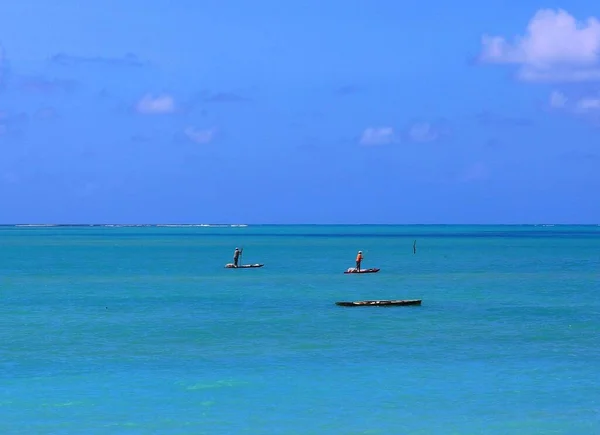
(25, 224)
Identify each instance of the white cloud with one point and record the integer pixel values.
(585, 107)
(422, 132)
(556, 47)
(559, 74)
(417, 132)
(150, 104)
(558, 99)
(200, 136)
(583, 104)
(378, 136)
(588, 104)
(427, 131)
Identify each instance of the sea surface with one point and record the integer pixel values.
(135, 330)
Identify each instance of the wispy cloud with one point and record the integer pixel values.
(422, 132)
(45, 85)
(378, 136)
(160, 104)
(488, 118)
(129, 60)
(200, 136)
(427, 131)
(207, 97)
(555, 48)
(224, 97)
(586, 106)
(558, 100)
(416, 132)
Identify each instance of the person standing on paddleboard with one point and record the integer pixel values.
(359, 258)
(236, 257)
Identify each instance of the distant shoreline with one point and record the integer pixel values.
(221, 225)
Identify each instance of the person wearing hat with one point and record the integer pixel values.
(236, 256)
(359, 258)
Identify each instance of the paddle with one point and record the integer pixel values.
(241, 252)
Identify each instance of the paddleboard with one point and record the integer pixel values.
(380, 303)
(242, 266)
(353, 270)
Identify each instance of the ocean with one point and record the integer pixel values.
(132, 330)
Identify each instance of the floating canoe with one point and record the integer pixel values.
(242, 266)
(353, 270)
(384, 303)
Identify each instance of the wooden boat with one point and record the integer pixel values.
(242, 266)
(353, 270)
(381, 303)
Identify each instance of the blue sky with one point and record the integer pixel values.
(305, 112)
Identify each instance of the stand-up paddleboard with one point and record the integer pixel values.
(242, 266)
(381, 303)
(353, 270)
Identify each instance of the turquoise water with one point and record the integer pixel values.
(142, 330)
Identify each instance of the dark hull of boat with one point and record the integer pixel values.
(384, 303)
(373, 270)
(243, 266)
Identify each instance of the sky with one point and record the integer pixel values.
(332, 112)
